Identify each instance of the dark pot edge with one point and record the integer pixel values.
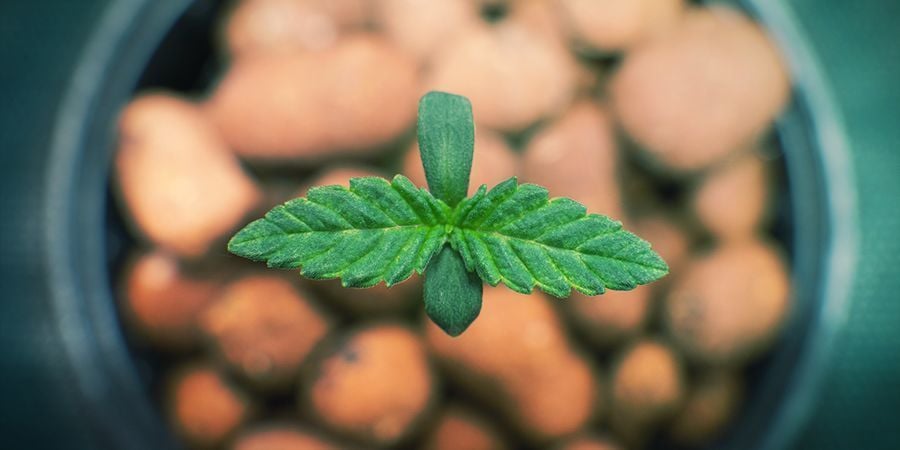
(839, 245)
(85, 329)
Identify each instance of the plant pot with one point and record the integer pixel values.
(142, 43)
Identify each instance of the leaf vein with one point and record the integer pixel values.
(534, 279)
(520, 215)
(554, 228)
(490, 212)
(476, 236)
(421, 248)
(335, 211)
(476, 233)
(361, 257)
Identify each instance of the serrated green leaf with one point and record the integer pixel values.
(452, 294)
(517, 235)
(372, 232)
(377, 231)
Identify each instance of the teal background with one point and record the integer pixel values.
(40, 43)
(857, 43)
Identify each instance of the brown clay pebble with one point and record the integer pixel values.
(589, 443)
(590, 79)
(281, 437)
(540, 16)
(205, 407)
(339, 176)
(353, 98)
(374, 386)
(613, 25)
(264, 328)
(492, 162)
(285, 188)
(516, 357)
(575, 157)
(421, 27)
(646, 387)
(290, 25)
(162, 304)
(668, 238)
(731, 202)
(702, 90)
(728, 304)
(610, 318)
(708, 407)
(376, 300)
(181, 185)
(461, 429)
(512, 76)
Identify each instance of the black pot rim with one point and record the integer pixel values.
(118, 409)
(838, 242)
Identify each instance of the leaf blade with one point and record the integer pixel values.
(375, 231)
(516, 235)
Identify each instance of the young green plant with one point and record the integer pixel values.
(382, 231)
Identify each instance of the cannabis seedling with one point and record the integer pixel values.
(382, 231)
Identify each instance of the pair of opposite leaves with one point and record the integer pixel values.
(383, 231)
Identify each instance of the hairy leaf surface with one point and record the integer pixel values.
(452, 294)
(517, 235)
(446, 142)
(372, 232)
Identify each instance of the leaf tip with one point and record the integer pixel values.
(452, 324)
(454, 331)
(236, 243)
(443, 96)
(658, 264)
(231, 246)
